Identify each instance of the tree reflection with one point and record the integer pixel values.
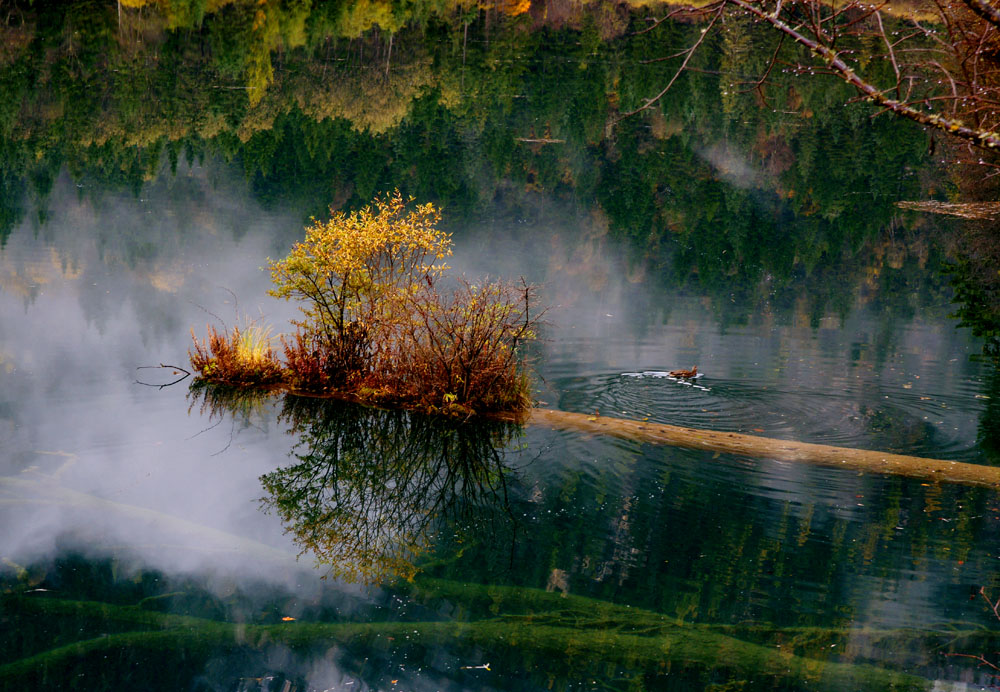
(773, 209)
(370, 489)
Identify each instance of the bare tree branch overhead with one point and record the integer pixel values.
(937, 64)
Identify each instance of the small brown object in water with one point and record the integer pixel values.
(685, 374)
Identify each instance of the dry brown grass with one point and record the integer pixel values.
(243, 356)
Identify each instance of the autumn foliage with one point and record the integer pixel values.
(243, 356)
(355, 277)
(377, 323)
(461, 348)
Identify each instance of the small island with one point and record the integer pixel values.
(383, 322)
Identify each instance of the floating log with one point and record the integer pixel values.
(937, 470)
(871, 461)
(975, 211)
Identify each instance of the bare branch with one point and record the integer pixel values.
(981, 659)
(892, 54)
(687, 57)
(657, 22)
(985, 10)
(759, 84)
(834, 62)
(993, 606)
(176, 368)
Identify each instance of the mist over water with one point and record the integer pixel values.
(108, 285)
(115, 282)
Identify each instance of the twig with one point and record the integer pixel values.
(981, 659)
(236, 301)
(759, 84)
(162, 365)
(689, 52)
(187, 374)
(204, 430)
(835, 63)
(209, 312)
(993, 606)
(892, 53)
(669, 15)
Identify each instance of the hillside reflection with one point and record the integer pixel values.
(368, 490)
(777, 212)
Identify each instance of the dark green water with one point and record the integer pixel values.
(158, 538)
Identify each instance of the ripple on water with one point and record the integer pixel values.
(844, 411)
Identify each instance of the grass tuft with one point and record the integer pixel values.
(244, 356)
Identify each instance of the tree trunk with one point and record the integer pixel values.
(768, 448)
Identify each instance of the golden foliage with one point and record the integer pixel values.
(514, 8)
(362, 268)
(362, 15)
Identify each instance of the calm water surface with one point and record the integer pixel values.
(167, 537)
(130, 494)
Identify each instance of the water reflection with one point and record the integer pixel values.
(759, 244)
(370, 489)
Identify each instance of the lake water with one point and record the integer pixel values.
(182, 538)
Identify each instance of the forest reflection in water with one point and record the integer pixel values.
(620, 563)
(761, 243)
(374, 495)
(368, 489)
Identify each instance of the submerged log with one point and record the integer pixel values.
(560, 639)
(938, 470)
